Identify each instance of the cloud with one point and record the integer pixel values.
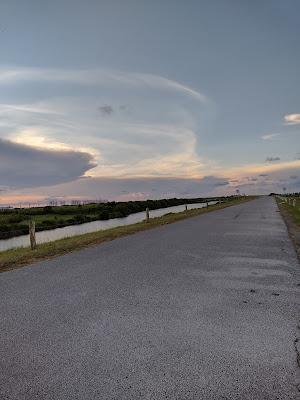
(273, 176)
(106, 110)
(271, 170)
(292, 119)
(270, 136)
(294, 176)
(27, 166)
(278, 176)
(272, 159)
(99, 77)
(123, 189)
(154, 131)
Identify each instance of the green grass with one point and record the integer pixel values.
(294, 212)
(19, 257)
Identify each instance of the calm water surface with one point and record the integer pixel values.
(74, 230)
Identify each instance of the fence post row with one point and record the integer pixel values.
(32, 234)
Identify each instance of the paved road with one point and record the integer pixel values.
(206, 308)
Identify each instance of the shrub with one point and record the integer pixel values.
(48, 209)
(103, 215)
(15, 219)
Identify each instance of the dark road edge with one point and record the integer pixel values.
(17, 258)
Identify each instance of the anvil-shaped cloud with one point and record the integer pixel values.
(133, 124)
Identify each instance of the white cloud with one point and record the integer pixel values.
(270, 136)
(292, 119)
(99, 77)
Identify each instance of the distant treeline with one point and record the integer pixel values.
(14, 222)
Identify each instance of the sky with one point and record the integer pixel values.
(134, 99)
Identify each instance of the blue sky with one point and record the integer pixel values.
(103, 99)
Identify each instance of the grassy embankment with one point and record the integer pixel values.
(290, 212)
(18, 257)
(288, 207)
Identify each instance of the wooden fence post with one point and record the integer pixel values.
(147, 214)
(207, 204)
(186, 208)
(32, 234)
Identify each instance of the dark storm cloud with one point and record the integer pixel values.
(272, 159)
(24, 166)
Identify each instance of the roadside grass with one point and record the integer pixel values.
(16, 258)
(294, 212)
(291, 217)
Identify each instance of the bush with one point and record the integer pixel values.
(48, 210)
(103, 215)
(14, 219)
(115, 214)
(80, 218)
(5, 228)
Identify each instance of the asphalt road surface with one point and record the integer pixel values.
(206, 308)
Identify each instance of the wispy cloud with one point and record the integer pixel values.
(262, 169)
(292, 119)
(99, 77)
(270, 136)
